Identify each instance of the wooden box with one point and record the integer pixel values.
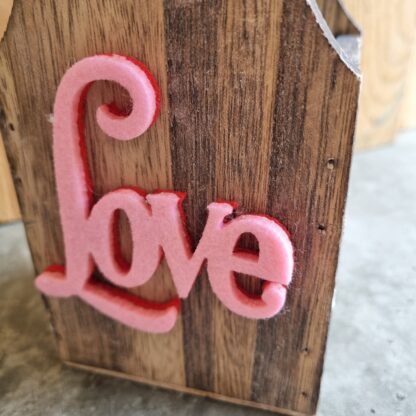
(258, 106)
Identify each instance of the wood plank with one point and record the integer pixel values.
(226, 121)
(247, 48)
(192, 75)
(314, 118)
(101, 27)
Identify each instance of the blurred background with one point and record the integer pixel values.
(370, 367)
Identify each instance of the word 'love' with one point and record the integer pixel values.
(156, 220)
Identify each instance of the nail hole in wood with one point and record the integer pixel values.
(321, 228)
(11, 126)
(330, 164)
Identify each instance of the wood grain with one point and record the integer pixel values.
(192, 73)
(9, 208)
(243, 136)
(258, 108)
(308, 177)
(389, 36)
(145, 162)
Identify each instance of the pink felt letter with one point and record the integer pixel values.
(86, 232)
(156, 220)
(274, 263)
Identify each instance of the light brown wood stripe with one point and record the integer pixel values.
(247, 54)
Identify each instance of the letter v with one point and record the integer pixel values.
(169, 220)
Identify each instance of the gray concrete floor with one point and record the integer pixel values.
(370, 364)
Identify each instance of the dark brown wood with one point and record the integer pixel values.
(337, 18)
(257, 107)
(192, 76)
